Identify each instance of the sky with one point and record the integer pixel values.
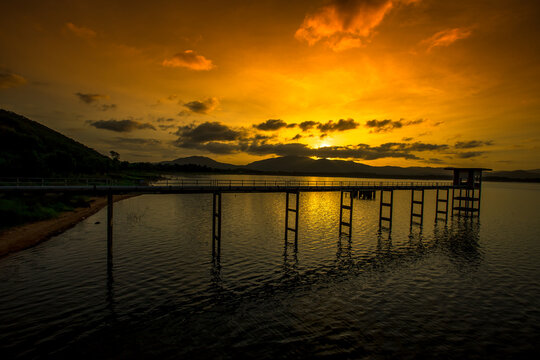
(380, 82)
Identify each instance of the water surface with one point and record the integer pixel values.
(461, 289)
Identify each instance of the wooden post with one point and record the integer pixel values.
(438, 200)
(389, 205)
(349, 207)
(216, 225)
(296, 211)
(419, 202)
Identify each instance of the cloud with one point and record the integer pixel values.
(407, 139)
(202, 107)
(330, 126)
(345, 24)
(297, 137)
(306, 125)
(166, 127)
(90, 98)
(470, 154)
(446, 37)
(340, 125)
(9, 79)
(218, 138)
(472, 144)
(273, 125)
(192, 135)
(189, 60)
(127, 125)
(107, 107)
(137, 141)
(81, 31)
(387, 125)
(163, 119)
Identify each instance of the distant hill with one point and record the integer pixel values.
(516, 174)
(28, 148)
(201, 161)
(324, 166)
(306, 165)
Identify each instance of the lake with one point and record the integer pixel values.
(464, 289)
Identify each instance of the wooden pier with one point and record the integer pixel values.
(465, 190)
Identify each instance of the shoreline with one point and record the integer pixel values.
(28, 235)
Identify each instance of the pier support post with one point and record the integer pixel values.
(445, 202)
(388, 205)
(109, 222)
(294, 227)
(415, 201)
(348, 207)
(468, 201)
(216, 225)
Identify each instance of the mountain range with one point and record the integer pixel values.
(306, 165)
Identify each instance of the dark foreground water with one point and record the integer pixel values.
(467, 289)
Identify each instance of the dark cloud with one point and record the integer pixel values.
(386, 125)
(193, 135)
(472, 144)
(166, 127)
(470, 154)
(120, 125)
(163, 119)
(217, 138)
(271, 125)
(340, 125)
(202, 107)
(9, 79)
(297, 137)
(137, 141)
(107, 107)
(90, 98)
(407, 139)
(330, 126)
(306, 125)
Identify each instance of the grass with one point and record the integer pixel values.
(19, 210)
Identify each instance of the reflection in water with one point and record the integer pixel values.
(110, 283)
(460, 240)
(434, 287)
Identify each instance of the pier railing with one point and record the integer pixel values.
(218, 183)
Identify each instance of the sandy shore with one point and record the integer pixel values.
(28, 235)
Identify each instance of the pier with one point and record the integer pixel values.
(459, 197)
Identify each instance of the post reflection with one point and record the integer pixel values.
(290, 260)
(344, 251)
(110, 282)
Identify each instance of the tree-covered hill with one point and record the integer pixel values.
(28, 148)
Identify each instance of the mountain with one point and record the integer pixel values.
(201, 161)
(28, 148)
(299, 164)
(515, 174)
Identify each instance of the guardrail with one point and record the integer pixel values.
(225, 183)
(63, 182)
(293, 183)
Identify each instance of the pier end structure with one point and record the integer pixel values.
(467, 190)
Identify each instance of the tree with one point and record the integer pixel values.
(114, 155)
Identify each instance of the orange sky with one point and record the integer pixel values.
(382, 82)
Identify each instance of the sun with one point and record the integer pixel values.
(323, 144)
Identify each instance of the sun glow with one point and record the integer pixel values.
(323, 144)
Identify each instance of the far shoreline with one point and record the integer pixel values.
(25, 236)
